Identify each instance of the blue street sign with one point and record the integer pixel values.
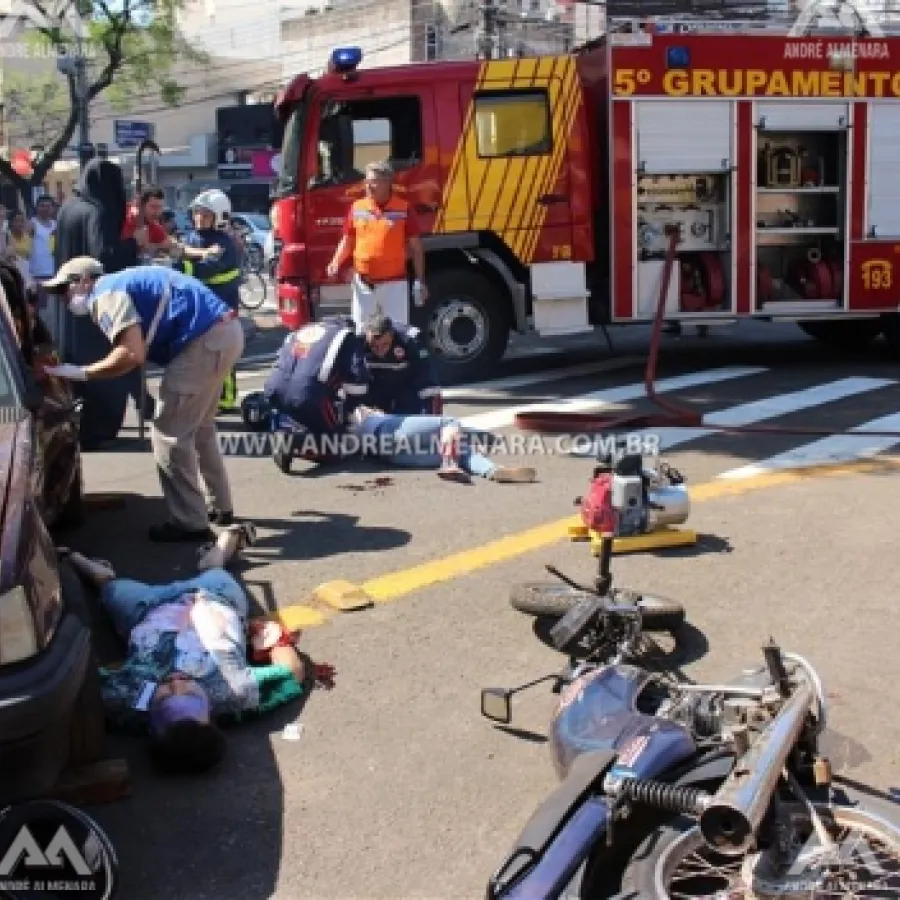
(130, 134)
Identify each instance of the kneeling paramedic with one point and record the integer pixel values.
(319, 377)
(210, 254)
(402, 377)
(153, 313)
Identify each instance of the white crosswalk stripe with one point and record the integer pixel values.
(834, 449)
(598, 400)
(764, 410)
(837, 448)
(858, 443)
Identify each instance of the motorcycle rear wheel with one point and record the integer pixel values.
(655, 866)
(553, 600)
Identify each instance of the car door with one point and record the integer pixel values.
(517, 159)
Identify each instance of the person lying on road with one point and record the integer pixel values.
(430, 442)
(403, 379)
(186, 667)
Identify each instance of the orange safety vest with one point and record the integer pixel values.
(379, 251)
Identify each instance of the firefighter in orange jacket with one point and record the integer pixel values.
(379, 234)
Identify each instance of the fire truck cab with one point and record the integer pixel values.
(496, 161)
(545, 187)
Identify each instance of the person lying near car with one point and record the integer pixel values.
(186, 671)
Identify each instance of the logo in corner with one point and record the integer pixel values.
(844, 16)
(56, 14)
(48, 847)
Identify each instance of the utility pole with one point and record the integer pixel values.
(76, 66)
(84, 118)
(489, 43)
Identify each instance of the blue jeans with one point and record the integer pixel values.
(418, 439)
(128, 602)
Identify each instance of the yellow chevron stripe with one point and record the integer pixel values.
(507, 169)
(569, 105)
(500, 194)
(559, 88)
(567, 89)
(501, 175)
(454, 212)
(528, 171)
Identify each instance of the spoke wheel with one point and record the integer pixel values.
(676, 864)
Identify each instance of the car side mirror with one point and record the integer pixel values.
(496, 704)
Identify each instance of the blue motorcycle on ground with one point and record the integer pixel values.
(671, 789)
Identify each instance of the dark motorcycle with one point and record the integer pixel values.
(674, 790)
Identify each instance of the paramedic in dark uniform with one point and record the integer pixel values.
(319, 376)
(210, 254)
(402, 377)
(154, 313)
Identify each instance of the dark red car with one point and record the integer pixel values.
(47, 675)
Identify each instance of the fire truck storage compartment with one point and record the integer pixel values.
(801, 208)
(699, 205)
(883, 203)
(684, 136)
(684, 178)
(559, 298)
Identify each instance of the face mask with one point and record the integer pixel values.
(78, 305)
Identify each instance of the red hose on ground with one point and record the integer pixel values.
(671, 414)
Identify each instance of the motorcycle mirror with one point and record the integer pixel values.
(496, 705)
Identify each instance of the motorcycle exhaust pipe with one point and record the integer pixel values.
(730, 823)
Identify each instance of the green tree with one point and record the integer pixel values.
(129, 48)
(36, 108)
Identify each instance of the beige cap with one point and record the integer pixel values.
(72, 271)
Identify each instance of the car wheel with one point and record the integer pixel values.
(87, 727)
(87, 724)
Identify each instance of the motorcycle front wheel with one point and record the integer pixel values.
(674, 863)
(554, 600)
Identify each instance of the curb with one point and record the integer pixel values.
(338, 596)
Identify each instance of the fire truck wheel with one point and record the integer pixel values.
(848, 336)
(467, 325)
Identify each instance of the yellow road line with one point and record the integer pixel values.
(399, 584)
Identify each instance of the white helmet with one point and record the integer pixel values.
(216, 202)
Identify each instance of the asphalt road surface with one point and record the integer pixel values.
(397, 788)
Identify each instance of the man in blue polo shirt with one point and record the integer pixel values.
(171, 319)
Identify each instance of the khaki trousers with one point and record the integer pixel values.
(183, 435)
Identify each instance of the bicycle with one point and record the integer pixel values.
(252, 254)
(253, 289)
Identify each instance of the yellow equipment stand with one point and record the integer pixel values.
(662, 539)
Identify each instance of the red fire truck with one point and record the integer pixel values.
(546, 186)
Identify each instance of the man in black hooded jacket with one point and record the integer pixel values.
(90, 224)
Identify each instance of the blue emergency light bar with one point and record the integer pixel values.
(678, 58)
(346, 59)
